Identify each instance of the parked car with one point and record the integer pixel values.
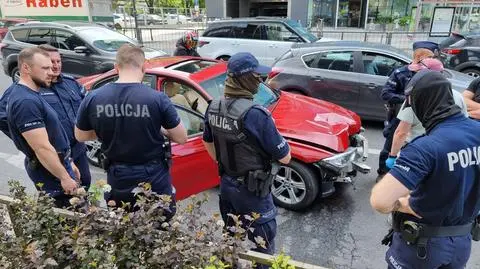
(325, 139)
(86, 49)
(461, 52)
(8, 22)
(177, 19)
(347, 73)
(266, 38)
(150, 19)
(121, 21)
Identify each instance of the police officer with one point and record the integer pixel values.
(127, 117)
(64, 95)
(434, 187)
(393, 95)
(243, 139)
(410, 127)
(472, 98)
(187, 45)
(37, 130)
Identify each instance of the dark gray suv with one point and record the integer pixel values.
(86, 48)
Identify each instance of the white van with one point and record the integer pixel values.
(266, 38)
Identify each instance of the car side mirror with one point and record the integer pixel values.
(293, 39)
(81, 50)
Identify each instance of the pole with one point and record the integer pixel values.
(138, 32)
(418, 14)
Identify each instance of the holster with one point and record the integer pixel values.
(260, 181)
(392, 111)
(476, 229)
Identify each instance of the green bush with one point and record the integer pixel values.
(117, 238)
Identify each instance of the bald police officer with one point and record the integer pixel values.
(393, 95)
(241, 136)
(37, 131)
(127, 117)
(434, 186)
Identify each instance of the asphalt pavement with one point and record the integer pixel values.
(341, 231)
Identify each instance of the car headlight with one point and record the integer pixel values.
(340, 161)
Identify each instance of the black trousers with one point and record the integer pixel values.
(388, 133)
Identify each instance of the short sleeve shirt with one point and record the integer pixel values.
(474, 87)
(26, 111)
(259, 123)
(441, 171)
(127, 118)
(406, 114)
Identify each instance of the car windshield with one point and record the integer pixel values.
(105, 39)
(302, 31)
(215, 86)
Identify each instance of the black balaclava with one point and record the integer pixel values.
(431, 98)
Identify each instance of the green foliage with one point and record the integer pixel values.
(282, 262)
(404, 21)
(384, 19)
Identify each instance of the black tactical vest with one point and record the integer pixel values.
(237, 154)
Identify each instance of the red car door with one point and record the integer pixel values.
(193, 170)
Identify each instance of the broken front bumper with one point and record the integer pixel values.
(343, 166)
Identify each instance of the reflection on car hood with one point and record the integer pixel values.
(460, 81)
(315, 121)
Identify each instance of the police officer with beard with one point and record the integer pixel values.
(241, 136)
(37, 131)
(130, 119)
(64, 95)
(433, 188)
(393, 95)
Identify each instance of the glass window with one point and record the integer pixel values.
(219, 32)
(185, 96)
(278, 32)
(104, 39)
(40, 36)
(301, 30)
(194, 124)
(250, 31)
(379, 65)
(20, 35)
(66, 40)
(335, 60)
(194, 66)
(148, 80)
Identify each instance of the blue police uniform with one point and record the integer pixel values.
(393, 94)
(65, 97)
(127, 118)
(235, 197)
(27, 110)
(442, 172)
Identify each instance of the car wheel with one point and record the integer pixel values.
(15, 74)
(295, 186)
(94, 153)
(223, 58)
(472, 72)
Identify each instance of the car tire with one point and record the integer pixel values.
(94, 153)
(472, 72)
(15, 73)
(223, 58)
(295, 187)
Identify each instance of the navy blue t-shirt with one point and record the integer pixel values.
(127, 118)
(65, 97)
(442, 171)
(26, 111)
(259, 124)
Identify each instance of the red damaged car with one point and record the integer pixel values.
(325, 139)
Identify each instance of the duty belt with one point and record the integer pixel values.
(418, 233)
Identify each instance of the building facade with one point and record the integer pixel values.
(368, 14)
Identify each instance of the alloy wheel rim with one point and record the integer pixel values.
(289, 186)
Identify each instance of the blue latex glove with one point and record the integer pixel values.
(390, 162)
